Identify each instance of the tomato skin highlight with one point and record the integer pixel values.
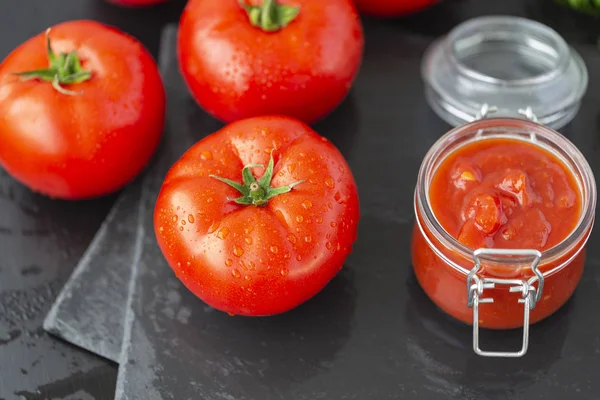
(304, 70)
(91, 143)
(392, 8)
(250, 260)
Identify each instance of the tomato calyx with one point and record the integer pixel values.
(256, 193)
(63, 69)
(270, 17)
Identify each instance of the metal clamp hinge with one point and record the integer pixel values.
(486, 110)
(530, 295)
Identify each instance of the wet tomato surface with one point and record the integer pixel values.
(258, 217)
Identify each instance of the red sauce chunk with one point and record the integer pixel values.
(505, 193)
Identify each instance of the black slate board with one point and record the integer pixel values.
(90, 309)
(371, 333)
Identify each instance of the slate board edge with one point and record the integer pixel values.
(53, 324)
(166, 38)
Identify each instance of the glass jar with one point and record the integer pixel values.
(525, 286)
(526, 76)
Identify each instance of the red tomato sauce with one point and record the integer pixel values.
(500, 193)
(505, 193)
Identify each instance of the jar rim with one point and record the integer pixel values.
(512, 128)
(480, 29)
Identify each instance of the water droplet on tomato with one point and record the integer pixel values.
(228, 262)
(248, 278)
(191, 218)
(287, 255)
(183, 222)
(319, 220)
(299, 218)
(248, 229)
(238, 251)
(291, 237)
(308, 238)
(161, 229)
(274, 249)
(338, 247)
(249, 240)
(213, 226)
(284, 272)
(206, 155)
(341, 199)
(235, 273)
(330, 206)
(307, 204)
(291, 168)
(175, 218)
(209, 200)
(223, 233)
(333, 224)
(329, 182)
(181, 228)
(328, 245)
(284, 200)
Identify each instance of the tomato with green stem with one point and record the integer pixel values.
(246, 58)
(258, 217)
(82, 110)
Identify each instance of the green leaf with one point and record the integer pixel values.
(286, 14)
(240, 188)
(247, 174)
(49, 51)
(43, 74)
(77, 78)
(281, 190)
(243, 201)
(57, 85)
(265, 181)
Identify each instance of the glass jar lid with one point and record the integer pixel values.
(511, 66)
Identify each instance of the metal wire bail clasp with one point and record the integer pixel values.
(530, 295)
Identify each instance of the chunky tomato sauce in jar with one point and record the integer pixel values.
(503, 208)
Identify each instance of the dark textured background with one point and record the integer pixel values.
(41, 240)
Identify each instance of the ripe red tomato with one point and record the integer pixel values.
(83, 119)
(392, 8)
(249, 245)
(298, 58)
(136, 3)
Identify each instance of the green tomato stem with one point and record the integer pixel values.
(253, 192)
(270, 16)
(63, 69)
